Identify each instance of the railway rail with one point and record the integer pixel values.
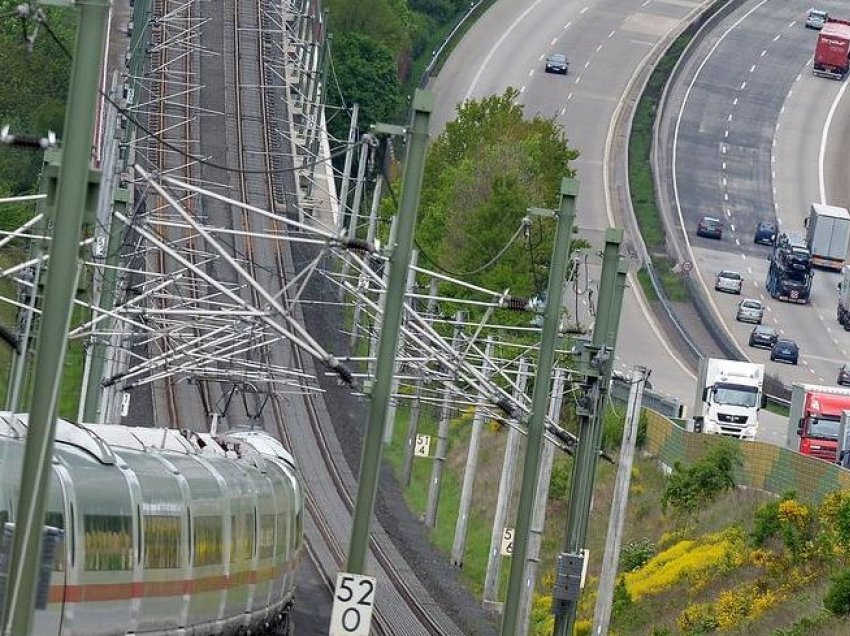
(402, 605)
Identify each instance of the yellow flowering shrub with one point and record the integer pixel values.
(582, 627)
(731, 609)
(698, 618)
(685, 558)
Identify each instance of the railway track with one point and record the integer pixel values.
(402, 605)
(174, 59)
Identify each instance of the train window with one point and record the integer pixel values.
(241, 537)
(208, 540)
(57, 520)
(108, 542)
(163, 541)
(266, 538)
(282, 534)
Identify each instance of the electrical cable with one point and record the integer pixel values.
(182, 153)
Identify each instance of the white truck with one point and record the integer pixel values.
(728, 398)
(828, 233)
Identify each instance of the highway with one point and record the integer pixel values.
(746, 131)
(605, 41)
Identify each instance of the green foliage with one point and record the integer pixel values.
(689, 489)
(366, 73)
(635, 553)
(559, 482)
(387, 22)
(622, 599)
(481, 174)
(837, 599)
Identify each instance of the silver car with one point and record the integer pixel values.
(728, 281)
(750, 310)
(816, 19)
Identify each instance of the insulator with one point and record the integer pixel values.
(515, 304)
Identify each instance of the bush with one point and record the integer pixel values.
(837, 599)
(690, 489)
(559, 482)
(635, 553)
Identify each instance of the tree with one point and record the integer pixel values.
(481, 175)
(364, 72)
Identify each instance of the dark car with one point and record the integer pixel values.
(784, 349)
(844, 374)
(765, 233)
(557, 63)
(763, 336)
(710, 227)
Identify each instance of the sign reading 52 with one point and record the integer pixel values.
(354, 600)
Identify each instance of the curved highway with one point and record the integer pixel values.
(606, 41)
(745, 119)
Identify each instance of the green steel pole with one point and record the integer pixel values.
(58, 296)
(105, 303)
(539, 403)
(370, 462)
(584, 465)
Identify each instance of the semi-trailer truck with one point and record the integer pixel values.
(814, 418)
(728, 398)
(827, 235)
(832, 50)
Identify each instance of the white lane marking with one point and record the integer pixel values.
(531, 72)
(554, 40)
(792, 23)
(724, 182)
(584, 10)
(752, 68)
(820, 316)
(497, 46)
(568, 25)
(763, 53)
(522, 90)
(726, 133)
(732, 226)
(578, 79)
(722, 149)
(743, 256)
(725, 196)
(743, 86)
(587, 64)
(563, 110)
(723, 167)
(569, 97)
(776, 38)
(782, 110)
(823, 138)
(737, 242)
(735, 102)
(750, 271)
(729, 213)
(611, 35)
(646, 3)
(729, 118)
(540, 59)
(598, 48)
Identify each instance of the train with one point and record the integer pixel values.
(161, 531)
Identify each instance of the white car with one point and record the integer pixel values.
(728, 281)
(750, 310)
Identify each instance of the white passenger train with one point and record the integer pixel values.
(164, 531)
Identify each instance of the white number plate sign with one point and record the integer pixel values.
(354, 599)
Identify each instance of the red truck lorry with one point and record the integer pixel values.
(814, 418)
(832, 51)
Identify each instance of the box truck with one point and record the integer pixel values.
(827, 235)
(728, 398)
(832, 50)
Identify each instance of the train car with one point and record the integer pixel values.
(163, 531)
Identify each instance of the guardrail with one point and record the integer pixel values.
(436, 55)
(668, 406)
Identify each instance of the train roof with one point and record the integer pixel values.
(100, 441)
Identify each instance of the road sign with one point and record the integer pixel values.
(354, 600)
(423, 446)
(507, 542)
(687, 266)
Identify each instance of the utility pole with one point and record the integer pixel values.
(442, 434)
(370, 463)
(416, 402)
(538, 521)
(596, 360)
(490, 597)
(459, 545)
(389, 428)
(346, 170)
(354, 215)
(611, 558)
(537, 419)
(60, 288)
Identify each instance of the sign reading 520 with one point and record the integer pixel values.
(354, 600)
